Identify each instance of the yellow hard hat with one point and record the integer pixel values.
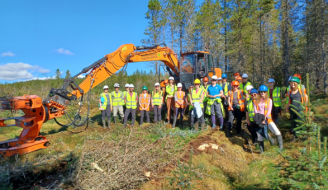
(197, 81)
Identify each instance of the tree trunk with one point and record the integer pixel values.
(323, 47)
(287, 63)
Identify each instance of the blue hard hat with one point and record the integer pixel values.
(271, 80)
(263, 88)
(244, 76)
(224, 76)
(290, 78)
(253, 90)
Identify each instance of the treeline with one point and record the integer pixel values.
(263, 38)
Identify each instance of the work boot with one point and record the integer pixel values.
(196, 126)
(174, 122)
(228, 133)
(221, 127)
(272, 140)
(280, 143)
(261, 145)
(115, 120)
(203, 125)
(180, 122)
(104, 123)
(213, 126)
(109, 124)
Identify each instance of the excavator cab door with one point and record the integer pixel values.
(187, 69)
(211, 67)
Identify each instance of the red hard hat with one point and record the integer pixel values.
(166, 81)
(205, 79)
(239, 78)
(298, 76)
(235, 83)
(236, 74)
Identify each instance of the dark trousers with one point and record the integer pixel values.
(142, 114)
(164, 109)
(251, 129)
(195, 119)
(127, 113)
(236, 113)
(157, 113)
(275, 114)
(105, 113)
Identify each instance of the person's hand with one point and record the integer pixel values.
(263, 122)
(102, 109)
(223, 97)
(111, 109)
(248, 123)
(231, 108)
(160, 106)
(152, 106)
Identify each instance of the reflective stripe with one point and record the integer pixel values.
(117, 99)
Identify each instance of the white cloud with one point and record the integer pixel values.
(19, 71)
(81, 76)
(64, 51)
(8, 53)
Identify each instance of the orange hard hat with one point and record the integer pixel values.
(166, 81)
(298, 76)
(239, 78)
(205, 79)
(236, 74)
(235, 83)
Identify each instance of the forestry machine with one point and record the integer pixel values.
(192, 65)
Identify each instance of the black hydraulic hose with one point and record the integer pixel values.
(76, 116)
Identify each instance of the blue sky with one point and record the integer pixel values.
(39, 36)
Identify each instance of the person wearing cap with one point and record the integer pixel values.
(236, 107)
(250, 114)
(214, 104)
(220, 81)
(244, 83)
(300, 86)
(297, 97)
(127, 86)
(248, 97)
(157, 102)
(106, 106)
(170, 103)
(144, 104)
(226, 88)
(188, 97)
(118, 101)
(240, 80)
(131, 100)
(180, 104)
(164, 107)
(275, 94)
(197, 97)
(236, 75)
(205, 87)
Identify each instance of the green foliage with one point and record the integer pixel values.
(58, 74)
(68, 74)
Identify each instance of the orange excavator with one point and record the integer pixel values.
(192, 65)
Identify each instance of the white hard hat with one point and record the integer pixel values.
(171, 78)
(156, 84)
(214, 77)
(249, 87)
(244, 76)
(131, 86)
(127, 85)
(179, 85)
(116, 85)
(105, 87)
(219, 78)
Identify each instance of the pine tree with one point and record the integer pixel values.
(68, 74)
(58, 74)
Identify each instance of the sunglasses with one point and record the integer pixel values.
(106, 89)
(253, 94)
(263, 92)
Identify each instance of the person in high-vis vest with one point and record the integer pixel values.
(144, 104)
(118, 101)
(197, 95)
(131, 101)
(250, 113)
(106, 106)
(300, 86)
(226, 88)
(157, 102)
(127, 86)
(170, 103)
(242, 86)
(164, 107)
(297, 97)
(236, 107)
(204, 87)
(214, 104)
(275, 94)
(220, 81)
(188, 97)
(248, 97)
(180, 104)
(240, 80)
(264, 106)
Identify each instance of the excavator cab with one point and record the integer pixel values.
(195, 65)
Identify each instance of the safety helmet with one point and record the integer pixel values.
(290, 78)
(131, 86)
(295, 79)
(179, 85)
(166, 81)
(197, 81)
(205, 79)
(236, 74)
(263, 88)
(245, 75)
(105, 87)
(271, 80)
(214, 77)
(144, 88)
(219, 78)
(253, 91)
(116, 85)
(239, 78)
(171, 78)
(249, 87)
(234, 83)
(298, 76)
(224, 76)
(127, 85)
(156, 84)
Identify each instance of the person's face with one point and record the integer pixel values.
(171, 81)
(116, 89)
(220, 81)
(263, 93)
(224, 80)
(253, 96)
(271, 84)
(244, 80)
(205, 83)
(239, 81)
(234, 88)
(294, 84)
(106, 90)
(144, 91)
(236, 77)
(127, 88)
(131, 89)
(213, 82)
(179, 88)
(157, 87)
(197, 86)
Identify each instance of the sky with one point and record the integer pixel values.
(39, 36)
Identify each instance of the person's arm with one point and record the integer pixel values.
(229, 102)
(111, 102)
(100, 106)
(190, 98)
(269, 108)
(202, 97)
(247, 118)
(221, 93)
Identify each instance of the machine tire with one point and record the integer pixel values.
(38, 139)
(47, 144)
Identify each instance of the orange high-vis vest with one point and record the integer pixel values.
(266, 109)
(240, 99)
(302, 92)
(180, 99)
(144, 101)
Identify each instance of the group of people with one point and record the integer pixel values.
(220, 99)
